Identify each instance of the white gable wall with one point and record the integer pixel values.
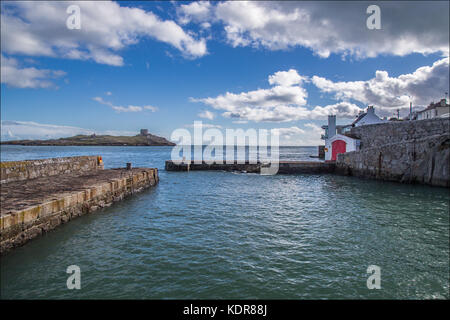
(369, 118)
(351, 144)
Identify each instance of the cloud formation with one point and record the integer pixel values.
(295, 136)
(12, 74)
(18, 130)
(199, 11)
(129, 108)
(424, 85)
(203, 125)
(286, 78)
(206, 114)
(327, 27)
(284, 101)
(39, 29)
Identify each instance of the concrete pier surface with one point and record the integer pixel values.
(30, 207)
(284, 167)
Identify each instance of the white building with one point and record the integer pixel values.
(435, 110)
(337, 139)
(336, 143)
(364, 118)
(368, 117)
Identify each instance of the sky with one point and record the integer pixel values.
(261, 65)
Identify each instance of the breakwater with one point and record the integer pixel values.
(408, 152)
(29, 169)
(62, 189)
(284, 167)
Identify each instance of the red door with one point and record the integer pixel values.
(337, 146)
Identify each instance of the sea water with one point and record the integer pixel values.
(203, 234)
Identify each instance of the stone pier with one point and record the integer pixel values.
(61, 189)
(284, 167)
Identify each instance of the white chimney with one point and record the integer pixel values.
(331, 126)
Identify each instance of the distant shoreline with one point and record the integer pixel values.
(96, 140)
(119, 145)
(85, 145)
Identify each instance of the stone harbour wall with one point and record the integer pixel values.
(377, 135)
(29, 169)
(409, 152)
(283, 167)
(236, 166)
(20, 226)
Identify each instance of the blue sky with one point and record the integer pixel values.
(179, 67)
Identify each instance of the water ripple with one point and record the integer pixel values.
(223, 235)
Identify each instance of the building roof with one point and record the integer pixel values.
(360, 116)
(442, 103)
(344, 137)
(368, 117)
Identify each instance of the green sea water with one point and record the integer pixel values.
(239, 236)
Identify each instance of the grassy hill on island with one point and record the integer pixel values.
(97, 140)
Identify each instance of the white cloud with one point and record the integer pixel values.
(309, 135)
(283, 102)
(424, 85)
(326, 27)
(26, 77)
(284, 113)
(129, 108)
(343, 109)
(205, 25)
(271, 104)
(240, 121)
(39, 29)
(295, 136)
(203, 125)
(286, 99)
(286, 78)
(312, 135)
(288, 131)
(198, 11)
(206, 114)
(18, 130)
(151, 108)
(108, 93)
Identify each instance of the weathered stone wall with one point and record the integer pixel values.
(376, 135)
(410, 152)
(20, 226)
(236, 166)
(284, 167)
(29, 169)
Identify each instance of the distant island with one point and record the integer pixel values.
(142, 139)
